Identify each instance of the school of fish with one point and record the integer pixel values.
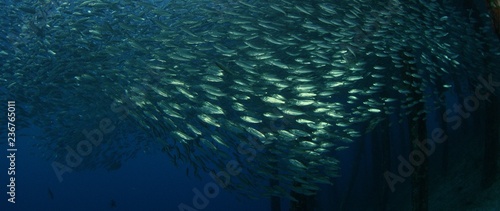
(200, 77)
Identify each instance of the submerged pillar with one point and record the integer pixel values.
(303, 202)
(418, 133)
(420, 192)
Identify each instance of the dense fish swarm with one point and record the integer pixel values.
(201, 77)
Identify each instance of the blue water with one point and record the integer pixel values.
(148, 182)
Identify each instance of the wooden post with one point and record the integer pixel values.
(275, 200)
(381, 162)
(491, 144)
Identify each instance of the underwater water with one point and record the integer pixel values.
(250, 105)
